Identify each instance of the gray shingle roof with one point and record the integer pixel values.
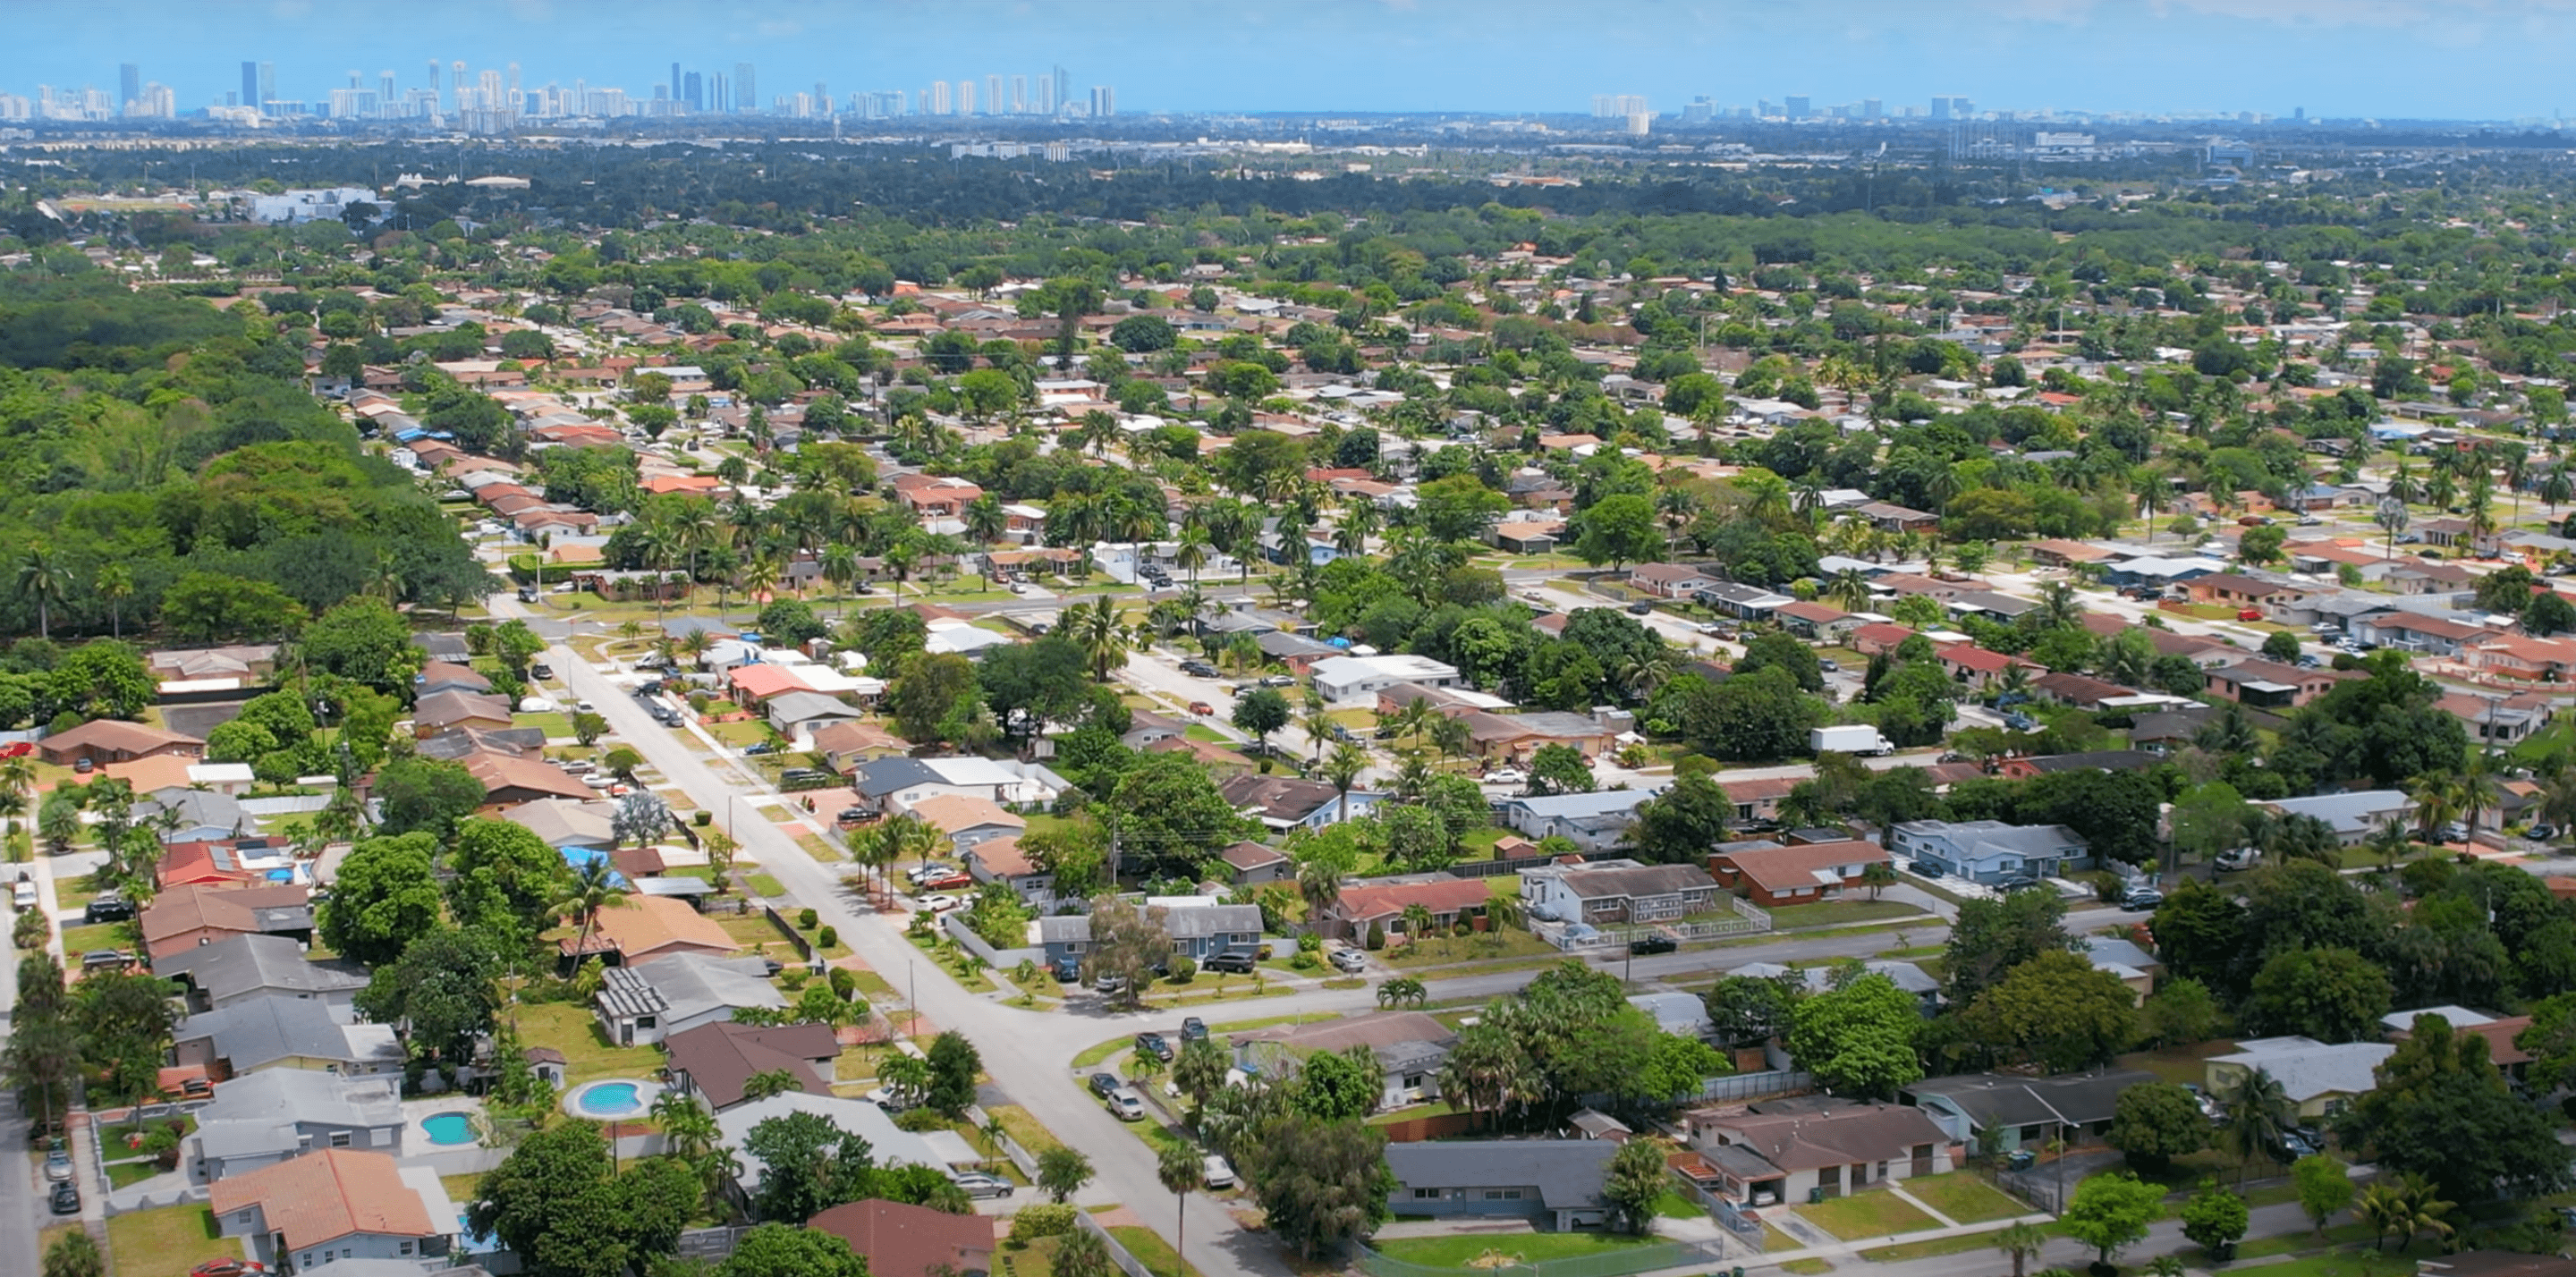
(261, 1031)
(890, 775)
(1997, 1099)
(1567, 1173)
(1210, 920)
(228, 969)
(259, 1112)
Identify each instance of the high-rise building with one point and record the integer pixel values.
(1063, 88)
(675, 81)
(129, 84)
(746, 96)
(965, 97)
(1019, 95)
(1104, 101)
(822, 99)
(938, 102)
(696, 93)
(514, 86)
(267, 83)
(1872, 109)
(992, 95)
(1046, 99)
(385, 89)
(1799, 107)
(250, 85)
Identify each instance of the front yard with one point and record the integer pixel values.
(1828, 913)
(1526, 1248)
(1870, 1213)
(1965, 1198)
(167, 1242)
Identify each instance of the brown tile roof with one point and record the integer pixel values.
(326, 1195)
(641, 926)
(1440, 895)
(212, 907)
(110, 733)
(901, 1240)
(951, 813)
(719, 1058)
(1778, 869)
(1833, 1137)
(1375, 1029)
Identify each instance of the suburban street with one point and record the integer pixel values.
(1029, 1053)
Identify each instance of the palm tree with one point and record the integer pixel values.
(2435, 803)
(1487, 1069)
(1094, 628)
(1848, 590)
(593, 888)
(2021, 1241)
(115, 584)
(1177, 1166)
(909, 835)
(2258, 1114)
(2403, 1206)
(2060, 605)
(1342, 772)
(688, 1130)
(1319, 884)
(1417, 920)
(44, 579)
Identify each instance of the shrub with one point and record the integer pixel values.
(920, 1120)
(793, 979)
(806, 918)
(1045, 1219)
(827, 937)
(30, 931)
(844, 982)
(1184, 970)
(703, 819)
(1376, 937)
(1310, 943)
(1305, 961)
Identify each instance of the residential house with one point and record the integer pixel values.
(1682, 1014)
(447, 676)
(901, 783)
(1671, 580)
(2028, 1112)
(2260, 684)
(1199, 929)
(2415, 632)
(645, 1002)
(2164, 731)
(308, 1213)
(799, 715)
(1604, 893)
(1896, 518)
(1990, 851)
(847, 746)
(238, 664)
(968, 821)
(754, 684)
(1803, 1149)
(2534, 659)
(1250, 864)
(231, 862)
(242, 967)
(898, 1239)
(1594, 822)
(107, 740)
(1515, 738)
(2132, 965)
(1382, 904)
(189, 916)
(2000, 608)
(1410, 1047)
(889, 1144)
(282, 1032)
(1975, 667)
(1283, 803)
(1757, 800)
(2067, 554)
(2082, 692)
(1001, 860)
(1744, 602)
(1878, 638)
(568, 823)
(1821, 622)
(2025, 767)
(2320, 1080)
(510, 779)
(935, 497)
(713, 1061)
(2207, 653)
(267, 1117)
(1771, 875)
(2284, 602)
(2499, 1032)
(1907, 977)
(640, 927)
(1556, 1183)
(2499, 720)
(2353, 816)
(450, 710)
(1351, 678)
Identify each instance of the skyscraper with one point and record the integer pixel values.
(385, 91)
(675, 80)
(965, 97)
(1063, 88)
(267, 83)
(1046, 95)
(745, 96)
(696, 94)
(129, 85)
(250, 84)
(1104, 101)
(1019, 95)
(822, 99)
(938, 103)
(992, 95)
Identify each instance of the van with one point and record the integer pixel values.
(22, 894)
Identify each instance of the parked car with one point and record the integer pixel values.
(111, 906)
(759, 747)
(1228, 963)
(66, 1199)
(105, 960)
(539, 669)
(228, 1268)
(2541, 832)
(1102, 1084)
(1106, 983)
(1506, 776)
(851, 816)
(1198, 669)
(1066, 970)
(1349, 961)
(923, 873)
(84, 766)
(666, 716)
(1641, 609)
(58, 1160)
(1154, 1045)
(2141, 897)
(1215, 1172)
(578, 767)
(1127, 1104)
(1202, 708)
(2249, 614)
(1657, 943)
(959, 881)
(22, 893)
(1279, 680)
(2236, 859)
(979, 1184)
(1193, 1029)
(940, 903)
(1829, 665)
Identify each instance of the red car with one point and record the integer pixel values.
(949, 882)
(2248, 614)
(228, 1268)
(17, 749)
(1201, 707)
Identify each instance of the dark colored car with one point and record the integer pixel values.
(1228, 963)
(1653, 944)
(1103, 1083)
(541, 670)
(1641, 609)
(1154, 1045)
(1193, 1029)
(760, 747)
(66, 1199)
(108, 907)
(1066, 971)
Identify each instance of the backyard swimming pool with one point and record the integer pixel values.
(448, 1129)
(621, 1098)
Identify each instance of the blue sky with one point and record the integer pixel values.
(2480, 59)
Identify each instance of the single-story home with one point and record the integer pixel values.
(642, 1003)
(187, 917)
(713, 1061)
(1556, 1183)
(107, 740)
(2029, 1111)
(2320, 1079)
(1771, 875)
(307, 1213)
(1806, 1149)
(1250, 864)
(899, 1239)
(264, 1118)
(1349, 915)
(1410, 1047)
(282, 1032)
(1990, 851)
(640, 926)
(1284, 803)
(1617, 891)
(258, 966)
(1595, 821)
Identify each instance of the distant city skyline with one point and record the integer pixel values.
(2334, 58)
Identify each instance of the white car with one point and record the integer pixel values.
(1214, 1170)
(940, 903)
(979, 1184)
(22, 894)
(1506, 776)
(599, 780)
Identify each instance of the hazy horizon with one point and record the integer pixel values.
(2460, 59)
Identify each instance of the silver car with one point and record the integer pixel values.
(979, 1184)
(1214, 1170)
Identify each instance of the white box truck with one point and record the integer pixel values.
(1855, 738)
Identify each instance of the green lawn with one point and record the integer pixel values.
(1829, 913)
(1455, 1252)
(1866, 1214)
(2292, 1243)
(83, 939)
(574, 1031)
(555, 726)
(1964, 1197)
(1024, 1129)
(1442, 950)
(1152, 1251)
(764, 885)
(749, 731)
(1959, 1244)
(167, 1242)
(2344, 1263)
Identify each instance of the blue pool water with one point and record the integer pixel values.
(448, 1128)
(611, 1099)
